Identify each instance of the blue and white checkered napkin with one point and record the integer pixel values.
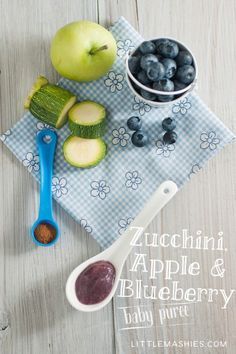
(106, 198)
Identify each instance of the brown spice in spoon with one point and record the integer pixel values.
(45, 233)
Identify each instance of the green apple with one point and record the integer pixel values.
(83, 51)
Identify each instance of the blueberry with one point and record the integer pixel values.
(178, 85)
(165, 98)
(147, 60)
(185, 74)
(155, 72)
(147, 47)
(142, 77)
(134, 123)
(134, 64)
(170, 67)
(139, 138)
(160, 41)
(164, 85)
(168, 124)
(167, 48)
(162, 70)
(184, 58)
(170, 137)
(147, 95)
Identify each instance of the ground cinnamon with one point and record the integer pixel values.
(45, 233)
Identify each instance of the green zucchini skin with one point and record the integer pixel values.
(77, 151)
(51, 104)
(41, 81)
(87, 132)
(85, 126)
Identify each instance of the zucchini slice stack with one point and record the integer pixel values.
(85, 148)
(87, 119)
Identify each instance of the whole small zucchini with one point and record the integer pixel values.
(50, 103)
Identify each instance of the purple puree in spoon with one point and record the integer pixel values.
(95, 282)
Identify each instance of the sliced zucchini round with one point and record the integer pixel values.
(41, 81)
(51, 104)
(87, 119)
(80, 152)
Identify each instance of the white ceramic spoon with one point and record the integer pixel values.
(120, 249)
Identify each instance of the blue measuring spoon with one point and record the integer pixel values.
(46, 142)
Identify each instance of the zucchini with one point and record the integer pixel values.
(50, 103)
(41, 81)
(80, 152)
(87, 119)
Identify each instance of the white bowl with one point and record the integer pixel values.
(155, 103)
(130, 78)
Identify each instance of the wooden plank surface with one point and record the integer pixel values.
(34, 315)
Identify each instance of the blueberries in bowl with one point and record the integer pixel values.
(164, 65)
(185, 74)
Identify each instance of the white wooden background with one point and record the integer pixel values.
(35, 317)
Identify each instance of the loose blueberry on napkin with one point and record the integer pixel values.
(106, 198)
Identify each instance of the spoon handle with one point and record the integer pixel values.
(46, 142)
(160, 198)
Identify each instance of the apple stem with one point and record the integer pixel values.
(93, 51)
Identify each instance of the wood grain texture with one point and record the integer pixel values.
(34, 312)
